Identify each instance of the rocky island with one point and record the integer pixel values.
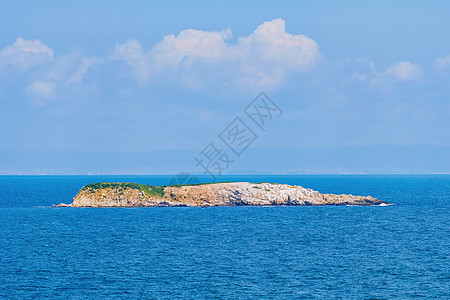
(212, 194)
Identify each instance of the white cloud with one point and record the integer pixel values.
(270, 53)
(193, 58)
(41, 89)
(361, 69)
(271, 43)
(359, 76)
(42, 74)
(25, 54)
(403, 71)
(191, 45)
(443, 62)
(77, 76)
(132, 53)
(395, 74)
(262, 59)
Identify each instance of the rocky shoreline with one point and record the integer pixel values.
(214, 194)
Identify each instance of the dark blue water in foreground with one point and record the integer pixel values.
(399, 251)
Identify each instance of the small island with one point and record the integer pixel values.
(125, 194)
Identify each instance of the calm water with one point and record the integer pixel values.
(399, 251)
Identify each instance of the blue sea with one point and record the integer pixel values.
(400, 251)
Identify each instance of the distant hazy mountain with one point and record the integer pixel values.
(377, 159)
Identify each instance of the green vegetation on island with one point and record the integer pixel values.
(149, 190)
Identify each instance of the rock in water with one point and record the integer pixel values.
(213, 194)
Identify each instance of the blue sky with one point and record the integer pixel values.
(133, 80)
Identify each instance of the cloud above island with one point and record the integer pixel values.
(192, 59)
(198, 60)
(262, 59)
(41, 72)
